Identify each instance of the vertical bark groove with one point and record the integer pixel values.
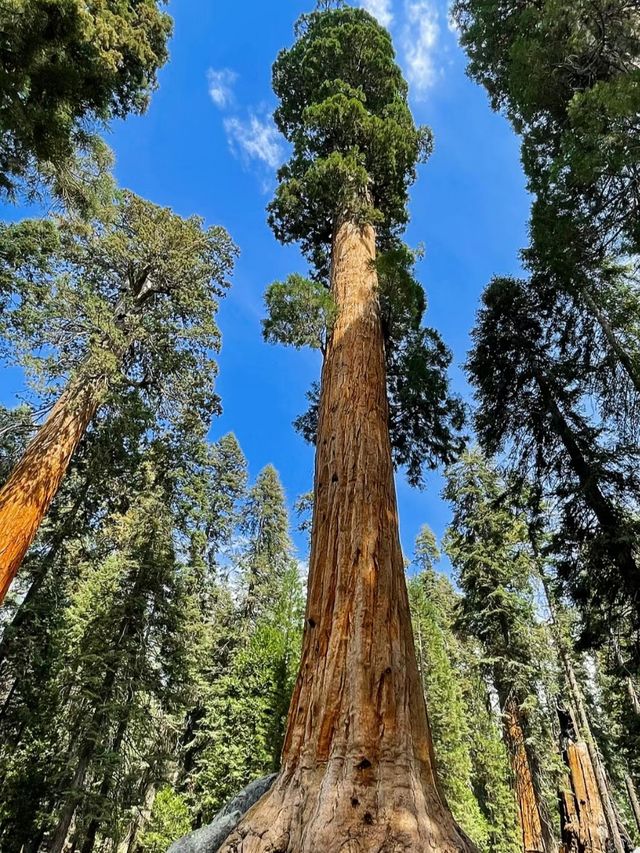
(357, 766)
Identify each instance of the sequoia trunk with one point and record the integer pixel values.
(533, 838)
(34, 482)
(357, 765)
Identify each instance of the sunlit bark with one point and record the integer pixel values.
(358, 766)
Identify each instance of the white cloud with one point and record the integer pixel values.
(420, 41)
(380, 9)
(255, 139)
(221, 86)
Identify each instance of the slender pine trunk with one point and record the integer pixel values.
(34, 482)
(357, 765)
(633, 798)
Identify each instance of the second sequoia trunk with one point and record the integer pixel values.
(34, 482)
(357, 767)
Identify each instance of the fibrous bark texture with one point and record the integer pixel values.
(533, 839)
(358, 767)
(34, 482)
(584, 823)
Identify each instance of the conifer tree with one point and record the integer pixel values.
(251, 659)
(487, 543)
(127, 302)
(357, 762)
(433, 602)
(531, 400)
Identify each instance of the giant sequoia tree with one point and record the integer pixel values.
(357, 762)
(126, 303)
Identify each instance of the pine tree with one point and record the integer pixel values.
(433, 601)
(113, 649)
(487, 544)
(531, 399)
(245, 690)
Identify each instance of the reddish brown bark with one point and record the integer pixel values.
(34, 482)
(584, 822)
(357, 766)
(533, 839)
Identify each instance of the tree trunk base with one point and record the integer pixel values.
(345, 807)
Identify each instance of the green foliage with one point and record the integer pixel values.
(343, 107)
(472, 762)
(568, 79)
(131, 296)
(487, 543)
(170, 819)
(300, 313)
(67, 68)
(531, 390)
(249, 673)
(489, 546)
(159, 638)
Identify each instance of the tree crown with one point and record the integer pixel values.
(343, 107)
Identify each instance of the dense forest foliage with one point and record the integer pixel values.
(156, 652)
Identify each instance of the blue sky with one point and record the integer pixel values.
(207, 146)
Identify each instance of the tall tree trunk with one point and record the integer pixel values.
(584, 731)
(34, 482)
(529, 812)
(584, 825)
(633, 798)
(357, 766)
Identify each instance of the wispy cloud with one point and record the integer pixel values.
(221, 86)
(255, 139)
(380, 9)
(420, 42)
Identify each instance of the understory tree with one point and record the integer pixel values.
(488, 546)
(472, 764)
(357, 761)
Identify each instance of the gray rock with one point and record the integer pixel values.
(208, 839)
